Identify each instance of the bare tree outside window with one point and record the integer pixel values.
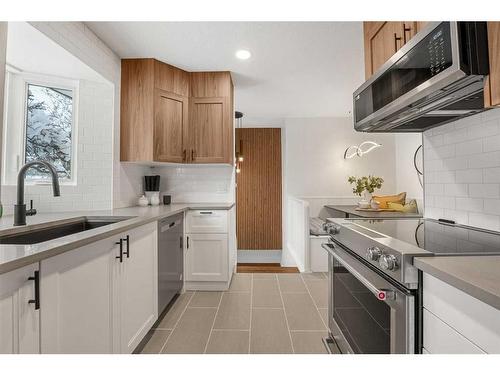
(49, 118)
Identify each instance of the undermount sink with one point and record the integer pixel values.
(49, 232)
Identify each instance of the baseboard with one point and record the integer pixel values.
(259, 256)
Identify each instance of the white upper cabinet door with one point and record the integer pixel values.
(206, 257)
(19, 317)
(206, 221)
(137, 285)
(76, 299)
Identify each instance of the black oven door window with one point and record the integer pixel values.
(364, 321)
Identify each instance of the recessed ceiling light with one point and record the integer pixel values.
(243, 54)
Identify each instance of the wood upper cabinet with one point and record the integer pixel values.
(170, 127)
(492, 84)
(384, 39)
(170, 115)
(211, 117)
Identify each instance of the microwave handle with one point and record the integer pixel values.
(381, 294)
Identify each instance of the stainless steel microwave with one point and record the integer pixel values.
(435, 78)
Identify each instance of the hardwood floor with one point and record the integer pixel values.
(264, 268)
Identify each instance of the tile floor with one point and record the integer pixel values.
(260, 313)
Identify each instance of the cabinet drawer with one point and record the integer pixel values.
(206, 221)
(440, 338)
(470, 317)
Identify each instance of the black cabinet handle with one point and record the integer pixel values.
(127, 240)
(121, 250)
(405, 30)
(36, 279)
(187, 242)
(396, 40)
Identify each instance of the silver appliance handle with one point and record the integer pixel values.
(381, 294)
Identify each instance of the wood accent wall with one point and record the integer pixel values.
(259, 190)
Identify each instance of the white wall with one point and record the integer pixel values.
(315, 168)
(80, 41)
(462, 171)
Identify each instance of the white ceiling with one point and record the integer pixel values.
(297, 69)
(31, 51)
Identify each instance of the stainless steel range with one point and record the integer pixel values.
(374, 287)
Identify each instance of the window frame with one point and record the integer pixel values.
(58, 83)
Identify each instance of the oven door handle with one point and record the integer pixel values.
(381, 294)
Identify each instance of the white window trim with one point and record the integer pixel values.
(49, 81)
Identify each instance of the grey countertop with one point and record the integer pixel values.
(351, 210)
(478, 276)
(16, 256)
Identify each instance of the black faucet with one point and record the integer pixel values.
(20, 208)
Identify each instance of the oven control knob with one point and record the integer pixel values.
(331, 228)
(388, 262)
(373, 253)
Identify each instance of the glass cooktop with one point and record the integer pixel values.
(436, 237)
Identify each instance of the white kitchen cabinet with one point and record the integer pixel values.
(76, 290)
(206, 257)
(92, 302)
(207, 221)
(136, 287)
(210, 249)
(19, 315)
(455, 322)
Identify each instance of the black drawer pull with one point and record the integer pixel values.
(127, 240)
(121, 250)
(36, 279)
(206, 212)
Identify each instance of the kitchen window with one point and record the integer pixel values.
(41, 125)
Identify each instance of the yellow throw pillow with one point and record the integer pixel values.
(411, 207)
(384, 199)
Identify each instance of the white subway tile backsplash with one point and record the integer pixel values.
(469, 147)
(484, 160)
(491, 143)
(484, 190)
(456, 190)
(469, 175)
(434, 189)
(491, 175)
(470, 204)
(492, 206)
(444, 202)
(462, 171)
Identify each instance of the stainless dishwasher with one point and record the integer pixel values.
(170, 259)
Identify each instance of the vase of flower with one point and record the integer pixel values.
(364, 187)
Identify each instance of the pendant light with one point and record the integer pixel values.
(239, 151)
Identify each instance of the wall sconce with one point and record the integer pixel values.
(363, 148)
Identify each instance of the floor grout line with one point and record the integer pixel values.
(230, 329)
(213, 323)
(251, 309)
(307, 330)
(315, 305)
(177, 322)
(284, 313)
